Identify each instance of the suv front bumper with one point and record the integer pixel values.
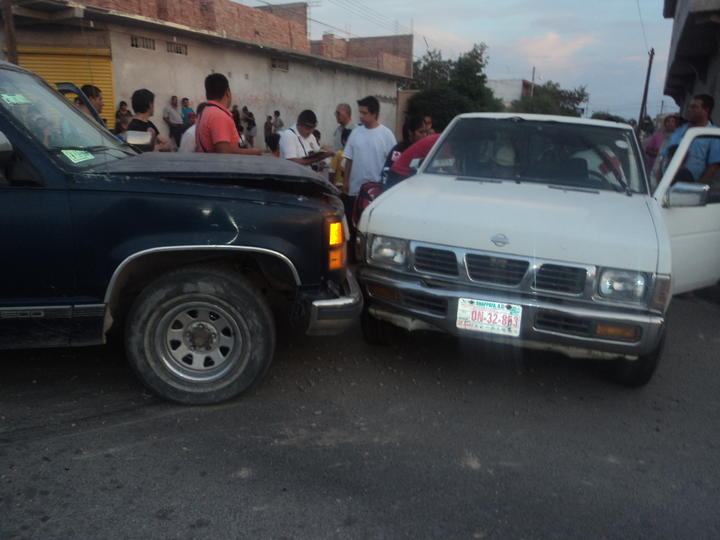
(546, 324)
(334, 315)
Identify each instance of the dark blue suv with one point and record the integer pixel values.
(180, 254)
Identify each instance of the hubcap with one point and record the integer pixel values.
(200, 341)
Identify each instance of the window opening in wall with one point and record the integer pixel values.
(280, 64)
(140, 42)
(177, 48)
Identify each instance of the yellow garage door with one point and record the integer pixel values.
(78, 66)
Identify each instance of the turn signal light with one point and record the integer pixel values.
(384, 292)
(336, 237)
(629, 333)
(337, 258)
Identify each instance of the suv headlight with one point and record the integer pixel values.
(624, 285)
(389, 251)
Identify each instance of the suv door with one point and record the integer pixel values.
(36, 280)
(691, 212)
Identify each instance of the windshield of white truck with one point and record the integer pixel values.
(567, 154)
(51, 119)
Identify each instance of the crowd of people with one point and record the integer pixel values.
(362, 156)
(702, 163)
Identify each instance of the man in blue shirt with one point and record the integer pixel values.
(702, 162)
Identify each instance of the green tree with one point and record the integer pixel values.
(443, 104)
(431, 71)
(448, 88)
(550, 98)
(468, 79)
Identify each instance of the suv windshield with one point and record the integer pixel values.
(54, 122)
(558, 153)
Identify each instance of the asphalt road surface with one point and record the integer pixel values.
(431, 438)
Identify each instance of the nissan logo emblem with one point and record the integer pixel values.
(500, 240)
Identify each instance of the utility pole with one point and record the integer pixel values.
(532, 85)
(10, 41)
(645, 92)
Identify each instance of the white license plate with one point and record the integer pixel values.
(489, 317)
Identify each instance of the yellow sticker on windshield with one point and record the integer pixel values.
(76, 156)
(14, 99)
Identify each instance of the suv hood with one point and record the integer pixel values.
(254, 171)
(602, 228)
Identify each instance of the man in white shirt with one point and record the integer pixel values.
(173, 119)
(187, 142)
(298, 143)
(366, 149)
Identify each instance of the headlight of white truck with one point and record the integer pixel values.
(389, 251)
(624, 285)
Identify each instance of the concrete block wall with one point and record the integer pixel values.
(253, 81)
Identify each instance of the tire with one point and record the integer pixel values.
(637, 373)
(200, 335)
(375, 331)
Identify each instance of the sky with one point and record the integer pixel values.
(600, 44)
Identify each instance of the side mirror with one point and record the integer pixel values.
(415, 165)
(683, 194)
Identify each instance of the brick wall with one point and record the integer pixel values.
(400, 46)
(336, 48)
(390, 63)
(236, 20)
(392, 54)
(296, 12)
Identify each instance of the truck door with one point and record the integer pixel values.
(36, 280)
(691, 213)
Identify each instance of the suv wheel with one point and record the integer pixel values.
(200, 335)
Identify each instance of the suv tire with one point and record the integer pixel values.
(200, 335)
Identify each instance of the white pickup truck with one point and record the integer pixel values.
(540, 232)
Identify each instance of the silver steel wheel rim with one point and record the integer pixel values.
(200, 341)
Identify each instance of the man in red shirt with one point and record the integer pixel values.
(216, 132)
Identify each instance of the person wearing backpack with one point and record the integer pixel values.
(215, 132)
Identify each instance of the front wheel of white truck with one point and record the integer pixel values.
(636, 373)
(200, 335)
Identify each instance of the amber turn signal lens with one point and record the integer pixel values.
(337, 258)
(629, 333)
(384, 292)
(335, 234)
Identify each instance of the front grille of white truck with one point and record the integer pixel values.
(508, 272)
(437, 261)
(553, 277)
(496, 269)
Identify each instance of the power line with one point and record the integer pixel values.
(642, 25)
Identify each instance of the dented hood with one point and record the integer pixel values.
(221, 168)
